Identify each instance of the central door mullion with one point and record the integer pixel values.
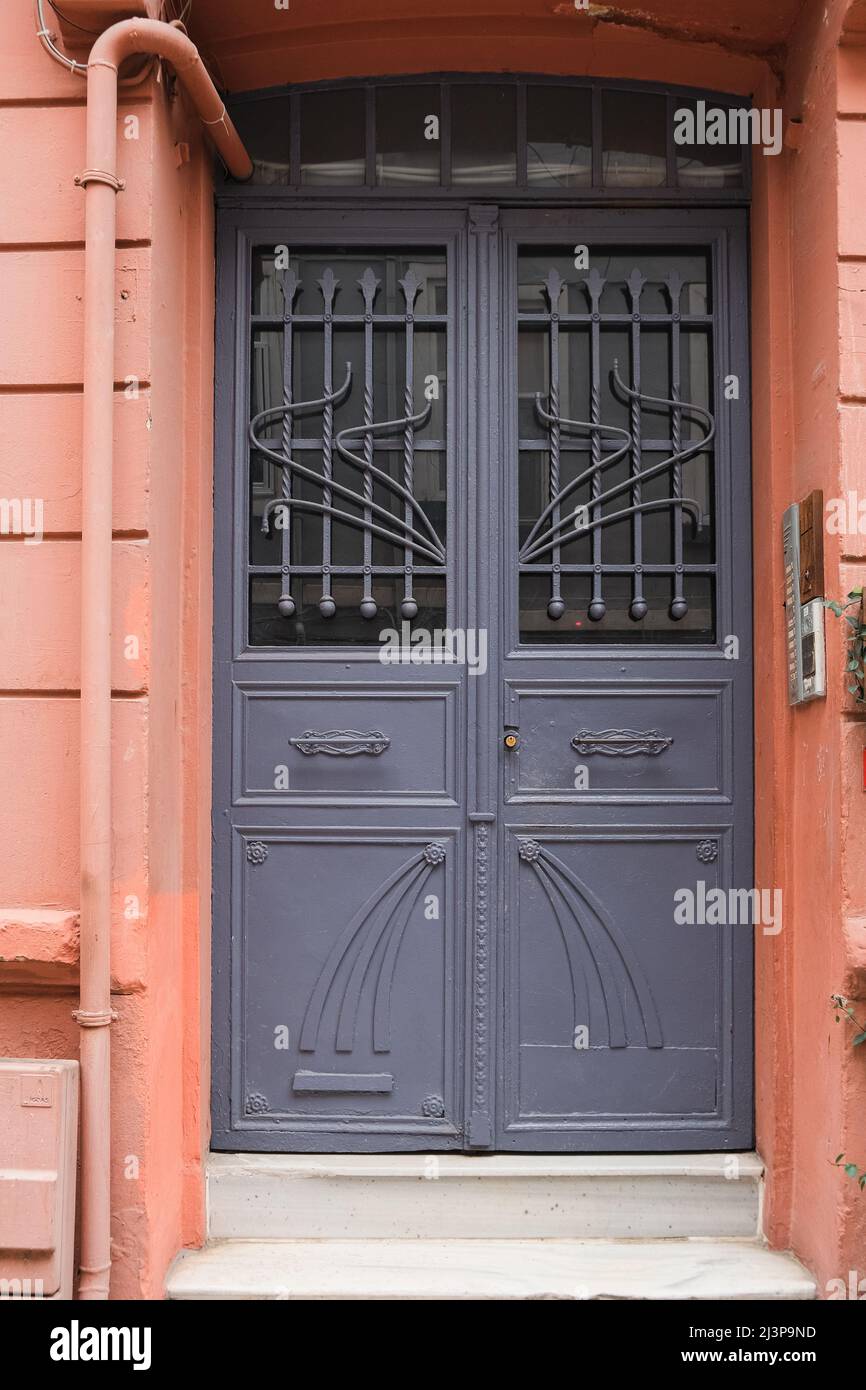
(483, 718)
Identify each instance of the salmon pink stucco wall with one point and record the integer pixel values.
(160, 623)
(820, 824)
(809, 430)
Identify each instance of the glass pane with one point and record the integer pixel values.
(634, 131)
(533, 378)
(428, 268)
(333, 131)
(600, 526)
(264, 488)
(698, 484)
(559, 137)
(345, 521)
(264, 128)
(347, 627)
(266, 370)
(483, 134)
(407, 136)
(691, 266)
(615, 266)
(429, 378)
(695, 378)
(266, 287)
(707, 166)
(616, 627)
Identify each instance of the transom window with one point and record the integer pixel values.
(548, 136)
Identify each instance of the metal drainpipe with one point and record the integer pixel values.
(101, 185)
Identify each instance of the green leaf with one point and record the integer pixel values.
(838, 1158)
(852, 1170)
(860, 1038)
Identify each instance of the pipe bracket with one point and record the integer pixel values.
(99, 176)
(94, 1018)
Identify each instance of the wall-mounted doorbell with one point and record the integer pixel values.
(803, 548)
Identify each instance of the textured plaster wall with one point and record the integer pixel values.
(809, 430)
(159, 620)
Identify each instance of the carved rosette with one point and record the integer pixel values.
(433, 1107)
(256, 1104)
(707, 851)
(434, 853)
(257, 852)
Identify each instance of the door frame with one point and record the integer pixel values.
(480, 416)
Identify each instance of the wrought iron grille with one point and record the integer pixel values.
(608, 524)
(360, 480)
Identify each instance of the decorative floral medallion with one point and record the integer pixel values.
(257, 852)
(434, 853)
(256, 1104)
(434, 1108)
(707, 851)
(530, 850)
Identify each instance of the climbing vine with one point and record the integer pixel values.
(842, 1006)
(856, 643)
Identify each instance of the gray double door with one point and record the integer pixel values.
(482, 686)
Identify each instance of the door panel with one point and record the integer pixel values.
(340, 776)
(594, 913)
(334, 747)
(583, 747)
(364, 995)
(625, 683)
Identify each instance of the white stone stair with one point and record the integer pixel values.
(448, 1226)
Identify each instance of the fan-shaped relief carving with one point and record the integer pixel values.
(376, 930)
(595, 946)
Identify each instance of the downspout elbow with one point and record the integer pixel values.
(132, 37)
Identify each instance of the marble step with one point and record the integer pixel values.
(495, 1197)
(397, 1270)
